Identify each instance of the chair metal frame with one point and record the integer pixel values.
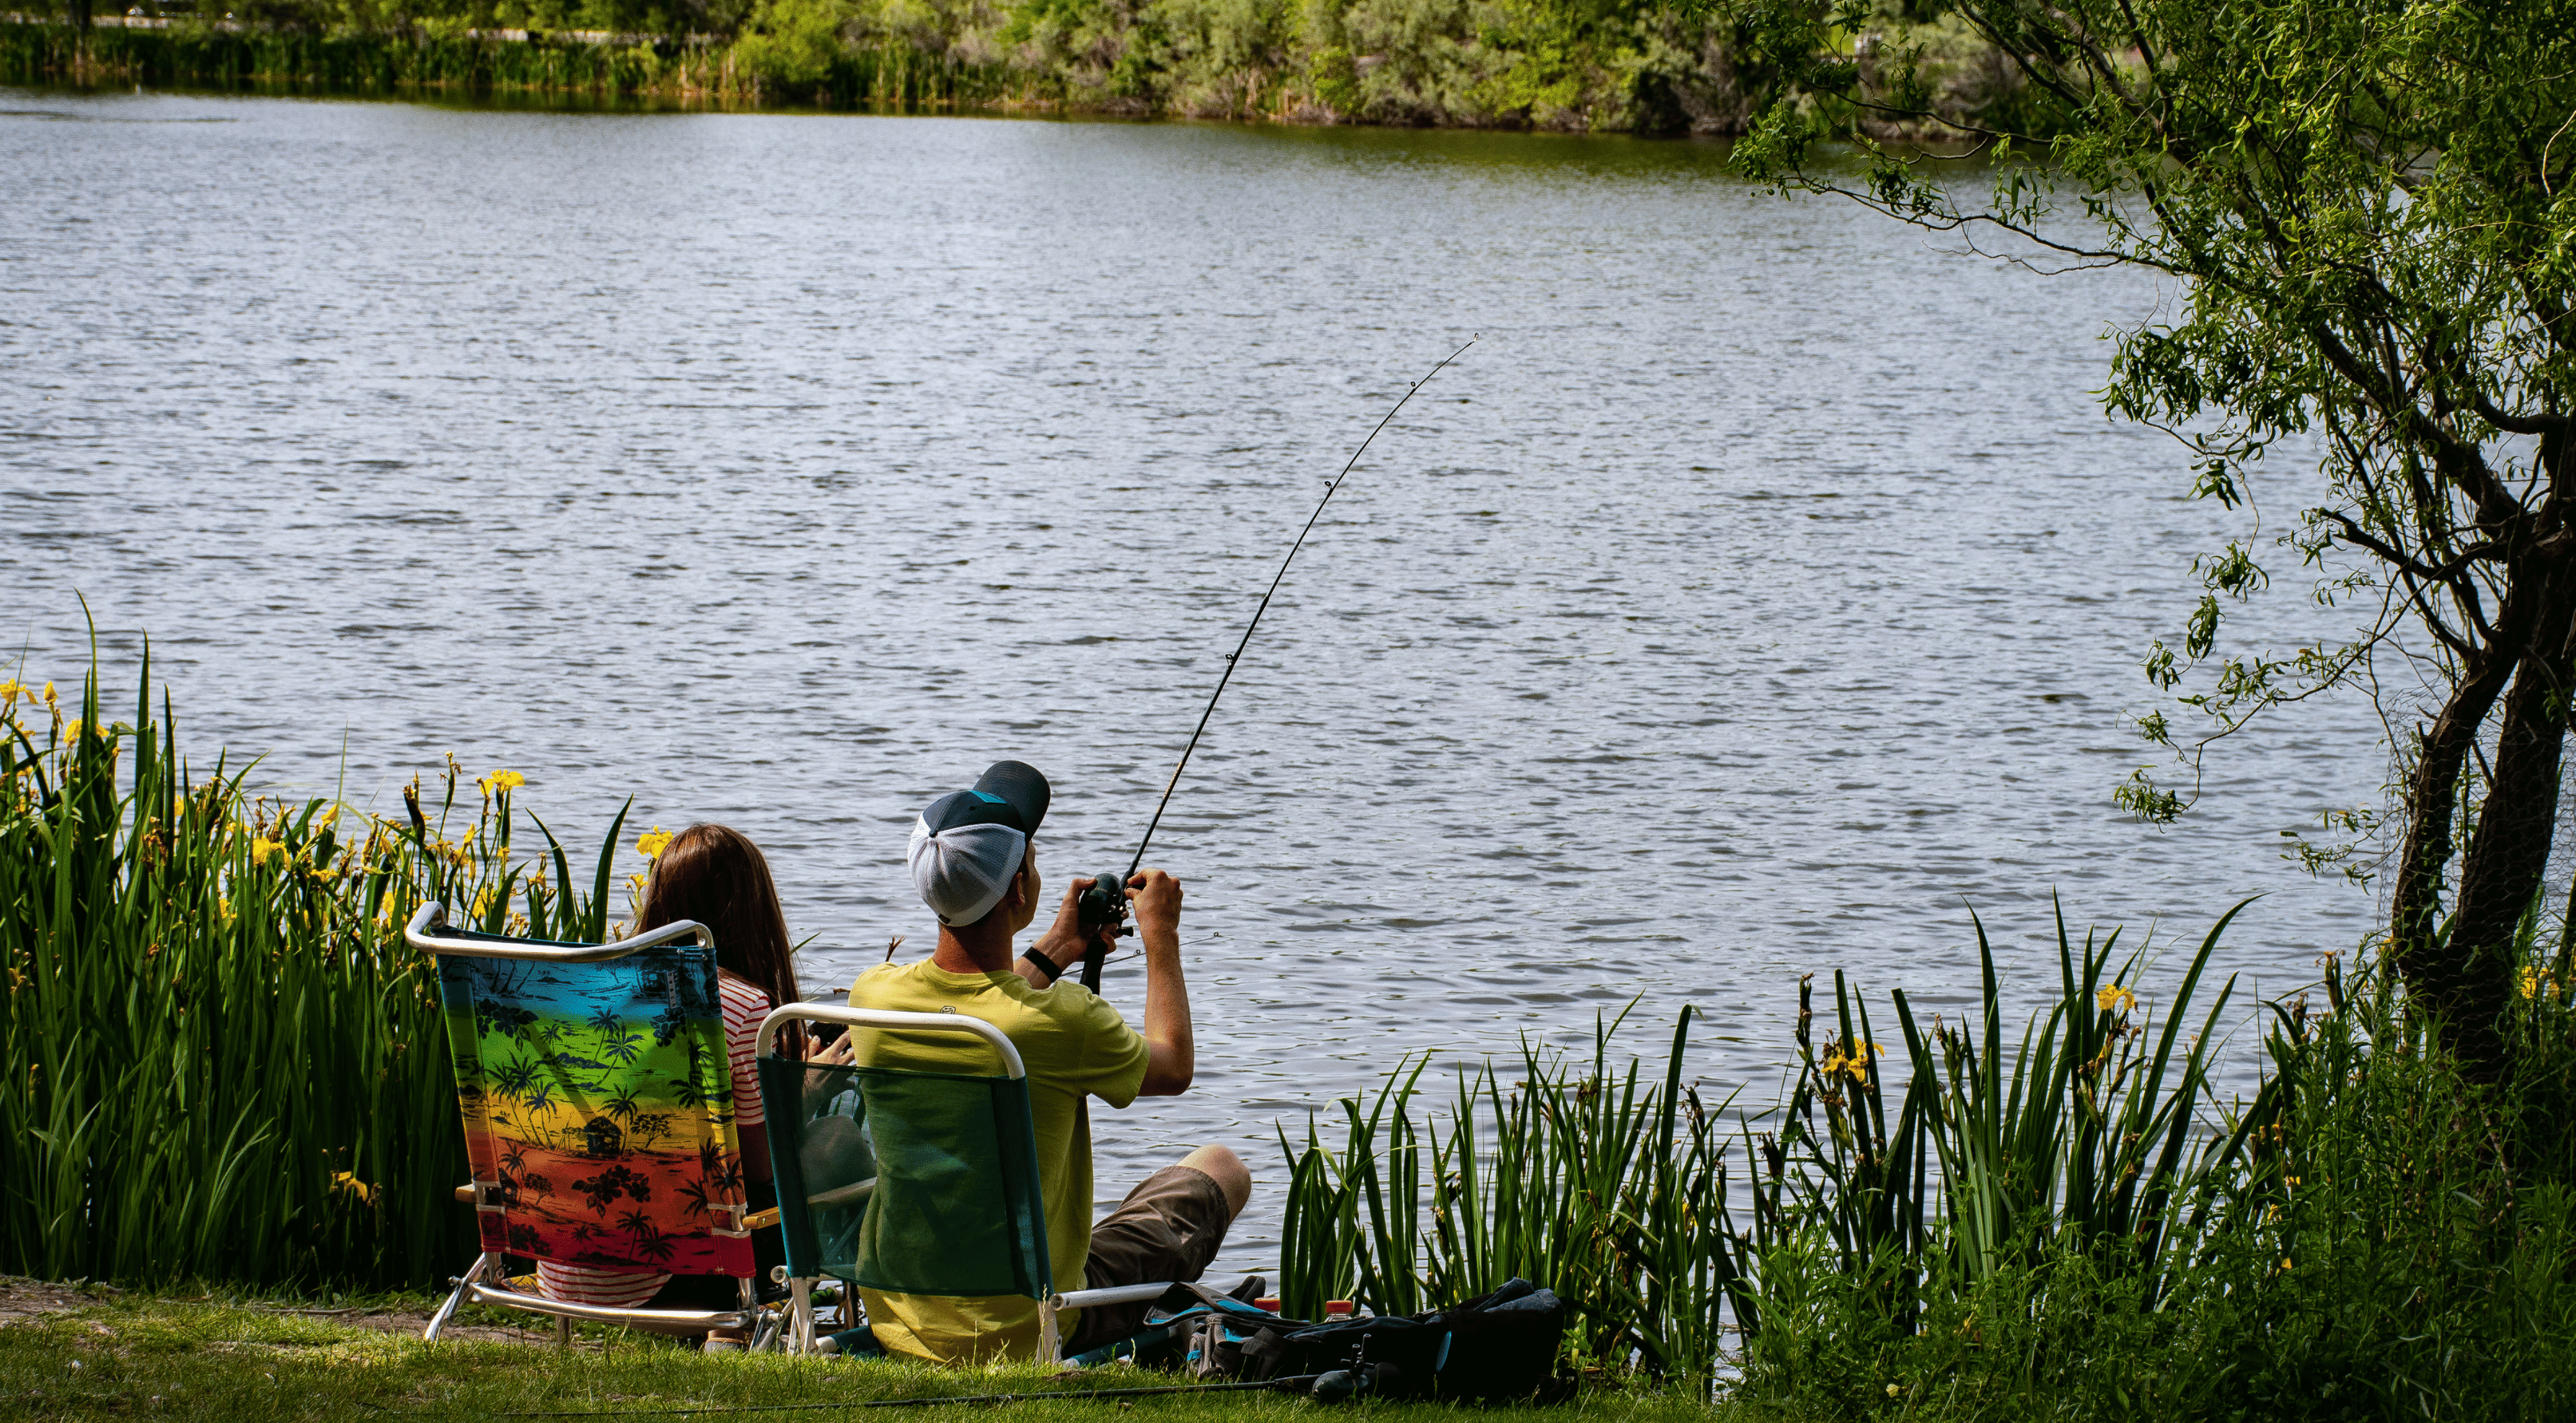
(800, 1328)
(484, 1282)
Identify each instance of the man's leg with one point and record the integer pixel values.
(1221, 1165)
(1168, 1228)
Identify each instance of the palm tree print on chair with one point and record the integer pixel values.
(601, 1092)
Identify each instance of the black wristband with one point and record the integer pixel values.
(1045, 965)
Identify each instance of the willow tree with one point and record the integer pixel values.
(2371, 209)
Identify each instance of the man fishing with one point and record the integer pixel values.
(973, 857)
(974, 860)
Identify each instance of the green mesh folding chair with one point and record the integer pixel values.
(597, 1096)
(917, 1183)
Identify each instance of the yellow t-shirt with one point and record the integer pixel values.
(1072, 1044)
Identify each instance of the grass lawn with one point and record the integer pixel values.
(72, 1354)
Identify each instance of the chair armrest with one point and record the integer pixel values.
(843, 1195)
(837, 1196)
(1113, 1294)
(850, 1017)
(421, 933)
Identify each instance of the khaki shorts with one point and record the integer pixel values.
(1169, 1228)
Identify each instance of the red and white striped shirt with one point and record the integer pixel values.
(744, 1007)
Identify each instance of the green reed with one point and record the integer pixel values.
(2374, 1235)
(1603, 1183)
(2083, 1129)
(1612, 1185)
(2062, 1221)
(224, 1063)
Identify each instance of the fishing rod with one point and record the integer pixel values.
(1105, 903)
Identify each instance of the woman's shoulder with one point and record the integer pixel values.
(740, 993)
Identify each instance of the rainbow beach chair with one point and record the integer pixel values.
(598, 1104)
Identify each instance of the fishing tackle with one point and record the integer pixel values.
(1103, 907)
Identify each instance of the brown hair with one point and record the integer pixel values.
(717, 877)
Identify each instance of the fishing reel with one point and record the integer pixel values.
(1105, 903)
(1358, 1381)
(1103, 906)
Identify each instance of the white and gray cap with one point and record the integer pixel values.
(967, 846)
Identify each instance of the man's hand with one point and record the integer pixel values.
(1155, 899)
(1171, 1049)
(1065, 941)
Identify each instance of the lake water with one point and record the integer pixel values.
(1760, 591)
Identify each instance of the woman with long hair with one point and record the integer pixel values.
(716, 877)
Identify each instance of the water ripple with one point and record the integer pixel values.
(1761, 591)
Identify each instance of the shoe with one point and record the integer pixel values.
(715, 1345)
(859, 1343)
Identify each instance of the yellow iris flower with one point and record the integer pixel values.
(1854, 1064)
(653, 843)
(262, 848)
(2115, 999)
(501, 781)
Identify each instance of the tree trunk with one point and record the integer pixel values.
(80, 15)
(2510, 850)
(2415, 911)
(2466, 978)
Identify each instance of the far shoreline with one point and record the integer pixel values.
(582, 71)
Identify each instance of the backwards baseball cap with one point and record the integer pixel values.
(968, 846)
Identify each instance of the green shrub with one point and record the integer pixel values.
(791, 45)
(2063, 1222)
(2380, 1241)
(1635, 65)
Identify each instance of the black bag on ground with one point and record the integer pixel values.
(1501, 1347)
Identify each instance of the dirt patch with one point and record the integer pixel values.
(411, 1322)
(22, 1298)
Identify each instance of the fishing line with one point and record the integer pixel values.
(1282, 1385)
(1140, 953)
(1097, 954)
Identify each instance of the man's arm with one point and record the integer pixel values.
(1171, 1051)
(1155, 897)
(1062, 943)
